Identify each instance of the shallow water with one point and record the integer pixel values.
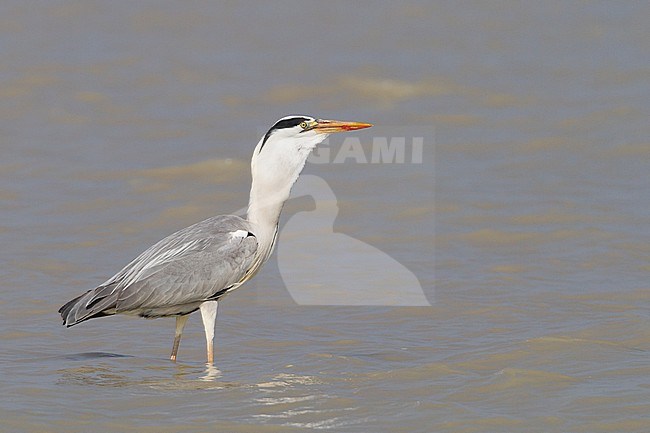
(525, 225)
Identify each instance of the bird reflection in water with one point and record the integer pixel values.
(212, 373)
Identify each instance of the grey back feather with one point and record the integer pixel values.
(195, 264)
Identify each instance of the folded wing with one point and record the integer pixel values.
(198, 263)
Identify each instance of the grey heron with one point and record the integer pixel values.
(195, 267)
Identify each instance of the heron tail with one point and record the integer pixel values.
(94, 303)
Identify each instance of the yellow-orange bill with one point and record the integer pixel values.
(331, 126)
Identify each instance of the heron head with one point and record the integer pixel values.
(300, 134)
(280, 156)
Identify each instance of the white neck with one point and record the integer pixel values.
(273, 178)
(264, 209)
(275, 167)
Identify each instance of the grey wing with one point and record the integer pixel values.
(198, 263)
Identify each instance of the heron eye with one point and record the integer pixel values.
(304, 125)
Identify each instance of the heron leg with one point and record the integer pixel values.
(180, 324)
(209, 316)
